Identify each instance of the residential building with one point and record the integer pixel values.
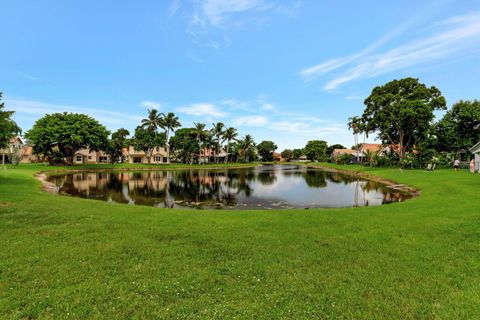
(475, 150)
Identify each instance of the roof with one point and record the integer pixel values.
(475, 148)
(372, 147)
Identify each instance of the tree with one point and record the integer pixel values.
(459, 129)
(8, 128)
(200, 134)
(331, 148)
(316, 150)
(230, 135)
(117, 143)
(247, 147)
(154, 120)
(66, 133)
(185, 145)
(265, 150)
(297, 153)
(287, 154)
(146, 140)
(400, 112)
(218, 132)
(169, 122)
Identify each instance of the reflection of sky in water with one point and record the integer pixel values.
(294, 190)
(263, 187)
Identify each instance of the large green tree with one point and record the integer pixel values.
(184, 144)
(400, 113)
(459, 129)
(8, 128)
(66, 133)
(287, 154)
(218, 131)
(316, 150)
(265, 150)
(116, 144)
(297, 153)
(146, 139)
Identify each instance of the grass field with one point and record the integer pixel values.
(63, 257)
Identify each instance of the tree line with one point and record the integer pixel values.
(401, 114)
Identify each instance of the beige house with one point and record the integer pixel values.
(159, 156)
(85, 155)
(22, 150)
(208, 156)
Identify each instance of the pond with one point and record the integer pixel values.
(263, 187)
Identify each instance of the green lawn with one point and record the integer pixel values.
(63, 257)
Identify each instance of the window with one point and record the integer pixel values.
(137, 159)
(79, 158)
(103, 159)
(158, 159)
(165, 159)
(89, 157)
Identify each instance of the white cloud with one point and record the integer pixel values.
(216, 12)
(268, 106)
(453, 36)
(150, 105)
(238, 105)
(37, 108)
(250, 121)
(202, 109)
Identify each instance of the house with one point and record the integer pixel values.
(85, 155)
(359, 155)
(475, 150)
(15, 147)
(209, 156)
(159, 155)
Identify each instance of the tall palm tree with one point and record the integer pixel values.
(248, 144)
(229, 135)
(169, 122)
(153, 120)
(200, 133)
(218, 132)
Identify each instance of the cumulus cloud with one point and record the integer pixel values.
(250, 121)
(202, 109)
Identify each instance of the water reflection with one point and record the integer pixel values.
(266, 187)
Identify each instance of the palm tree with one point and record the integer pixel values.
(218, 132)
(229, 135)
(153, 120)
(248, 144)
(199, 132)
(169, 122)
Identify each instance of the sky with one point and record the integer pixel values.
(286, 71)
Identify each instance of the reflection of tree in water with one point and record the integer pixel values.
(267, 178)
(315, 178)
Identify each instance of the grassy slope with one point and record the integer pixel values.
(65, 257)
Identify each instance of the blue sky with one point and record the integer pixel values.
(287, 71)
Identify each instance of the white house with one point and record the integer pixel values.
(475, 150)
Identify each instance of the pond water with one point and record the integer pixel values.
(263, 187)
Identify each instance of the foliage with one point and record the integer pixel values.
(229, 135)
(265, 150)
(146, 139)
(400, 112)
(459, 129)
(184, 145)
(287, 154)
(8, 127)
(169, 122)
(316, 150)
(343, 159)
(66, 133)
(116, 143)
(297, 153)
(247, 148)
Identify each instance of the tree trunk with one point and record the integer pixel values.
(167, 145)
(227, 151)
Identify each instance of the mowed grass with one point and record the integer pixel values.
(63, 257)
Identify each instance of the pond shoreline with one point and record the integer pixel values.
(50, 187)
